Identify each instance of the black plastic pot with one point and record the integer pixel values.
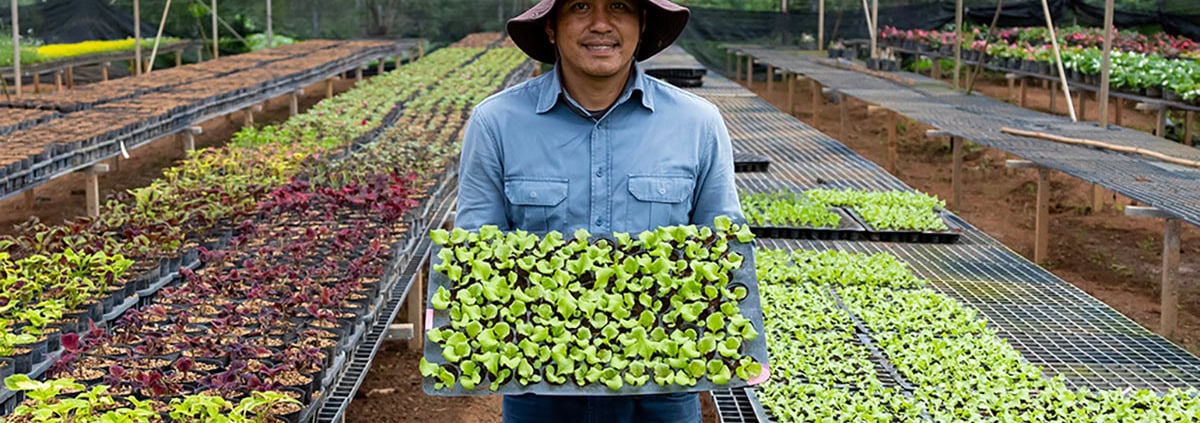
(1154, 92)
(7, 367)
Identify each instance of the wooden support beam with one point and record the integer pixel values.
(737, 64)
(791, 81)
(58, 81)
(1083, 96)
(770, 78)
(1120, 111)
(1054, 93)
(1012, 80)
(843, 112)
(1169, 306)
(379, 67)
(329, 88)
(1024, 94)
(936, 70)
(189, 138)
(104, 71)
(1097, 198)
(1188, 118)
(749, 71)
(358, 74)
(70, 77)
(1042, 221)
(294, 102)
(92, 188)
(249, 116)
(815, 87)
(956, 177)
(37, 82)
(30, 199)
(416, 309)
(178, 58)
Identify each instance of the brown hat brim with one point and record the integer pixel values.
(664, 22)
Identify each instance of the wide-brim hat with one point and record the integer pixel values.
(664, 22)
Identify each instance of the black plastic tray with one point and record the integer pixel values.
(850, 229)
(750, 163)
(917, 237)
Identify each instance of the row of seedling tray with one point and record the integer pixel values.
(891, 216)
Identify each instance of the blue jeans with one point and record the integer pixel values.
(664, 408)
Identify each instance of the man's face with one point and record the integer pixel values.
(597, 38)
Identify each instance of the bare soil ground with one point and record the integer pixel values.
(1115, 258)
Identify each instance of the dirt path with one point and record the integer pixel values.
(63, 198)
(1112, 257)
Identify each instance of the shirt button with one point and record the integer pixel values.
(533, 194)
(662, 190)
(599, 173)
(599, 222)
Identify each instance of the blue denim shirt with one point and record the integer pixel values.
(533, 160)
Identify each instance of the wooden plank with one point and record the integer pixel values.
(1170, 279)
(1054, 93)
(791, 81)
(92, 188)
(956, 182)
(1024, 95)
(416, 309)
(1042, 236)
(770, 78)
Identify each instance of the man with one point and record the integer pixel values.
(596, 144)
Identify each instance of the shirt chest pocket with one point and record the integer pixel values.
(537, 204)
(659, 200)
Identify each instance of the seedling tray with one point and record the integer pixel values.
(750, 307)
(849, 229)
(750, 163)
(918, 237)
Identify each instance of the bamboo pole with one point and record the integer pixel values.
(137, 37)
(1062, 73)
(1106, 63)
(158, 38)
(875, 29)
(216, 31)
(821, 25)
(270, 27)
(958, 21)
(1103, 145)
(16, 40)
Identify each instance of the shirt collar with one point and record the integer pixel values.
(552, 91)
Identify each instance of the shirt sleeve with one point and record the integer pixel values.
(716, 193)
(481, 198)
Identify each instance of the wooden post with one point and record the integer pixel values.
(816, 98)
(1169, 307)
(294, 102)
(92, 188)
(1187, 127)
(1011, 78)
(1053, 96)
(1161, 127)
(1041, 248)
(935, 70)
(749, 71)
(249, 119)
(358, 74)
(737, 65)
(329, 88)
(791, 81)
(1097, 197)
(189, 138)
(416, 309)
(821, 25)
(104, 71)
(379, 67)
(958, 30)
(1042, 220)
(1120, 111)
(178, 58)
(1106, 63)
(1024, 94)
(58, 81)
(770, 78)
(842, 106)
(70, 77)
(37, 82)
(1170, 278)
(30, 199)
(956, 177)
(729, 60)
(16, 46)
(893, 150)
(216, 39)
(1083, 95)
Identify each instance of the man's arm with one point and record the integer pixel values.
(716, 192)
(480, 178)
